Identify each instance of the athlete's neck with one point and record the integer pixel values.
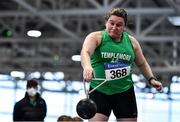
(118, 39)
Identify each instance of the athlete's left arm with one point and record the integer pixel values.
(143, 65)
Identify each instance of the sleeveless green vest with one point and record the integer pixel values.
(113, 60)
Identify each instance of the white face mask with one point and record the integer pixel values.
(31, 91)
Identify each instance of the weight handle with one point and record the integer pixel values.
(87, 92)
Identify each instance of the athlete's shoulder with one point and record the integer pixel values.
(95, 33)
(134, 41)
(96, 36)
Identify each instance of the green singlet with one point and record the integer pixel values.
(112, 61)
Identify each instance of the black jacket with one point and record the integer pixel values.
(25, 111)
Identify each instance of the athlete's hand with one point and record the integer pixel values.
(88, 73)
(156, 84)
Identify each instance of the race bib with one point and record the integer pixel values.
(116, 70)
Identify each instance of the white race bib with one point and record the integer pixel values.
(116, 70)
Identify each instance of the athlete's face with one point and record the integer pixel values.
(115, 26)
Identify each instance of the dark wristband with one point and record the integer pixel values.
(151, 78)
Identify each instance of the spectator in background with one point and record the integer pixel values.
(32, 107)
(77, 119)
(65, 118)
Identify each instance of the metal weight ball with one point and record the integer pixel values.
(86, 108)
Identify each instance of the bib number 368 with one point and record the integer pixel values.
(116, 70)
(116, 74)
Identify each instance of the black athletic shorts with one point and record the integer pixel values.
(122, 104)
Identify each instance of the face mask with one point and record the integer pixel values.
(31, 91)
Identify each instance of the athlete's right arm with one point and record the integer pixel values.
(90, 43)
